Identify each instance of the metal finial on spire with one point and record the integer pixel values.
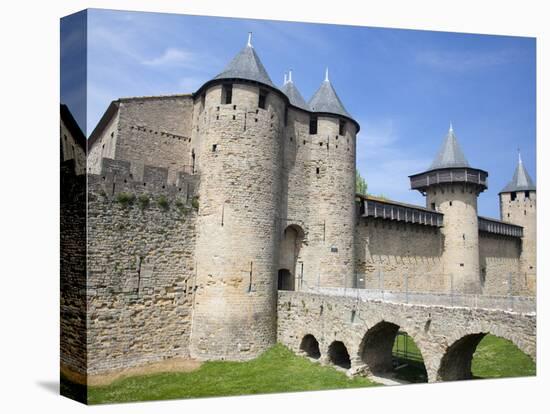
(450, 126)
(249, 43)
(290, 75)
(326, 74)
(519, 157)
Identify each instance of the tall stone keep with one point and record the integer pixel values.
(518, 205)
(333, 187)
(240, 118)
(451, 187)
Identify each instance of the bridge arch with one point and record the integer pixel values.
(378, 352)
(338, 355)
(310, 346)
(456, 363)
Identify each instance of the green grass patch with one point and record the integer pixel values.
(499, 358)
(276, 370)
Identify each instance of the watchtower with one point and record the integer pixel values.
(518, 205)
(333, 187)
(240, 117)
(451, 187)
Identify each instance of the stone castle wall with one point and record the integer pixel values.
(239, 159)
(141, 267)
(523, 211)
(499, 264)
(460, 256)
(399, 256)
(154, 131)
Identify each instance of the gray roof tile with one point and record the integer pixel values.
(246, 65)
(450, 154)
(521, 181)
(326, 100)
(294, 95)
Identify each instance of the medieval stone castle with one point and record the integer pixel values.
(202, 208)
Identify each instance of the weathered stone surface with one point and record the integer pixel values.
(367, 328)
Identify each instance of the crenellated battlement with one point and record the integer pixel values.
(116, 178)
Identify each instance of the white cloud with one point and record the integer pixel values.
(385, 161)
(464, 61)
(172, 57)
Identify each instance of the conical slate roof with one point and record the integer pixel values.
(450, 154)
(521, 181)
(246, 65)
(293, 94)
(326, 100)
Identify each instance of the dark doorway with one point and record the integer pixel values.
(285, 280)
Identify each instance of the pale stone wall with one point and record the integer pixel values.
(71, 150)
(104, 146)
(523, 211)
(156, 131)
(438, 331)
(141, 269)
(399, 256)
(460, 257)
(499, 264)
(240, 160)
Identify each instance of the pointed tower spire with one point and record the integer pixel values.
(521, 181)
(293, 94)
(326, 99)
(450, 154)
(246, 65)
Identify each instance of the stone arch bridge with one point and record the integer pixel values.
(358, 334)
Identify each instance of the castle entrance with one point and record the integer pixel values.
(289, 252)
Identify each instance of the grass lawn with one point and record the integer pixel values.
(277, 370)
(499, 358)
(494, 358)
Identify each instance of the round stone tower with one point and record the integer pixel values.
(451, 187)
(239, 119)
(518, 205)
(333, 185)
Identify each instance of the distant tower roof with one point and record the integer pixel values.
(293, 94)
(326, 100)
(521, 181)
(246, 65)
(450, 154)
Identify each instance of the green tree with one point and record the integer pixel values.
(360, 183)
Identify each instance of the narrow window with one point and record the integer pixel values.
(227, 93)
(513, 196)
(193, 161)
(203, 101)
(262, 98)
(313, 125)
(527, 194)
(214, 147)
(450, 203)
(317, 170)
(342, 127)
(433, 206)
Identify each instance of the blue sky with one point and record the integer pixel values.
(402, 86)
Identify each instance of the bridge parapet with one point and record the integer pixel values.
(521, 304)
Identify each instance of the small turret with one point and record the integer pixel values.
(451, 187)
(293, 94)
(518, 205)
